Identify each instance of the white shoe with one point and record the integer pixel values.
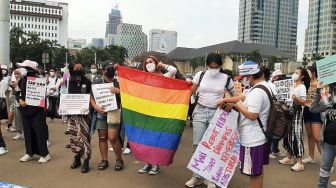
(286, 161)
(273, 156)
(26, 158)
(333, 183)
(127, 151)
(18, 136)
(194, 181)
(111, 149)
(297, 167)
(309, 160)
(209, 184)
(3, 151)
(44, 159)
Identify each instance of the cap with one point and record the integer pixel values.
(276, 73)
(248, 68)
(28, 63)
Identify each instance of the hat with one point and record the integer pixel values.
(28, 63)
(4, 67)
(248, 68)
(276, 73)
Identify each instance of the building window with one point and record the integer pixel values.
(55, 34)
(39, 26)
(52, 34)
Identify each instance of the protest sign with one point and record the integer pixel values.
(35, 91)
(217, 155)
(74, 104)
(285, 90)
(103, 97)
(239, 89)
(326, 70)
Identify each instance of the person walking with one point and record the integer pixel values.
(53, 85)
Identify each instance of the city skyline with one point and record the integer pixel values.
(195, 29)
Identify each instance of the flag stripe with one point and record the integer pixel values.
(152, 79)
(152, 138)
(142, 121)
(155, 109)
(162, 95)
(151, 154)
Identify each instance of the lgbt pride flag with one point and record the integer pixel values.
(154, 110)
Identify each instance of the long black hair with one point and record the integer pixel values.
(313, 69)
(216, 58)
(306, 77)
(1, 76)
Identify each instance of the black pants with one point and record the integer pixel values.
(53, 106)
(2, 141)
(35, 131)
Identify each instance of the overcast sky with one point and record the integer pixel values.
(198, 22)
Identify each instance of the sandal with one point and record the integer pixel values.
(103, 165)
(119, 165)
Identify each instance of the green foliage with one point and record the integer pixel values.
(255, 56)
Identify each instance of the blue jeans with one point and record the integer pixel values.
(328, 153)
(202, 117)
(275, 146)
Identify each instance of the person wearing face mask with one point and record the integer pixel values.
(16, 106)
(79, 124)
(211, 85)
(327, 108)
(3, 114)
(154, 66)
(108, 132)
(94, 75)
(293, 141)
(53, 85)
(33, 118)
(253, 106)
(6, 90)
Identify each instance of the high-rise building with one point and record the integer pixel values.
(110, 40)
(162, 41)
(271, 22)
(320, 39)
(131, 37)
(49, 19)
(76, 43)
(115, 18)
(97, 43)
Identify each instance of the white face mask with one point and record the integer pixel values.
(94, 71)
(23, 71)
(246, 82)
(4, 72)
(214, 72)
(150, 67)
(295, 77)
(52, 73)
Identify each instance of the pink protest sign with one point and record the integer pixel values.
(36, 91)
(217, 155)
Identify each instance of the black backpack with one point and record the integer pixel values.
(279, 120)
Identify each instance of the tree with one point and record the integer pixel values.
(197, 62)
(86, 56)
(256, 57)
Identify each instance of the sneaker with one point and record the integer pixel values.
(333, 183)
(309, 160)
(3, 151)
(111, 149)
(273, 156)
(18, 136)
(44, 159)
(209, 184)
(155, 170)
(297, 167)
(145, 169)
(26, 158)
(286, 161)
(10, 129)
(194, 181)
(127, 151)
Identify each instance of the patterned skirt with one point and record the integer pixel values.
(293, 141)
(80, 135)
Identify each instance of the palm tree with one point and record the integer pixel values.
(33, 38)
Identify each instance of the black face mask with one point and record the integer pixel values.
(110, 73)
(77, 73)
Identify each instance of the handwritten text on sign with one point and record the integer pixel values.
(35, 91)
(326, 70)
(103, 97)
(74, 104)
(285, 90)
(217, 155)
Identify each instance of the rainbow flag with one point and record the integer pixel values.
(154, 110)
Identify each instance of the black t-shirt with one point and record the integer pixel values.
(330, 130)
(82, 86)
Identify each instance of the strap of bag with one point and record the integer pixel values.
(201, 78)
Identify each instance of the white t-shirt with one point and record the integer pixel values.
(300, 91)
(256, 101)
(4, 86)
(171, 71)
(273, 88)
(53, 83)
(212, 88)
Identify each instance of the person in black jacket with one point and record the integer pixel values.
(33, 118)
(3, 149)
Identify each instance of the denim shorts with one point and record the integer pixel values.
(310, 117)
(101, 123)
